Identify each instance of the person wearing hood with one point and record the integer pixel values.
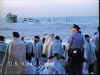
(37, 49)
(3, 48)
(47, 45)
(56, 47)
(15, 58)
(89, 54)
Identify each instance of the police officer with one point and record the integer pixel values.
(75, 51)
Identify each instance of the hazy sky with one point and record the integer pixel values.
(51, 7)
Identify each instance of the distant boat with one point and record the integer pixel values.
(30, 19)
(25, 19)
(11, 18)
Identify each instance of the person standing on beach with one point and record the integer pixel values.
(75, 51)
(89, 54)
(29, 51)
(56, 47)
(97, 42)
(3, 48)
(37, 49)
(22, 38)
(97, 50)
(47, 44)
(15, 57)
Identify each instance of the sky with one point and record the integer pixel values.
(31, 8)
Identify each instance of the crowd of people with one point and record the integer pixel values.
(47, 55)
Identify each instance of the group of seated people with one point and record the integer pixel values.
(47, 55)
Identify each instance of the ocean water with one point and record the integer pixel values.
(58, 25)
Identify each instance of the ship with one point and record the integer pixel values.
(11, 18)
(31, 20)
